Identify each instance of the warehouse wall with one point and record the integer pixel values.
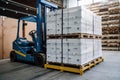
(10, 30)
(0, 38)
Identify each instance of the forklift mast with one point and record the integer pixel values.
(40, 45)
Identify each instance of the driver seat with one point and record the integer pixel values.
(23, 42)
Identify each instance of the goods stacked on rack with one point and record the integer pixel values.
(58, 2)
(81, 37)
(110, 13)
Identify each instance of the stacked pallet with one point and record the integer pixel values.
(110, 13)
(81, 37)
(114, 25)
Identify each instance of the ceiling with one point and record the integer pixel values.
(17, 8)
(27, 2)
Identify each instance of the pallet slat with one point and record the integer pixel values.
(111, 48)
(76, 35)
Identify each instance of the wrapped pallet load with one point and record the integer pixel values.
(81, 39)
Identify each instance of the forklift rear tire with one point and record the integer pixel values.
(13, 57)
(40, 60)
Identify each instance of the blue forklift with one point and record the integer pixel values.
(32, 51)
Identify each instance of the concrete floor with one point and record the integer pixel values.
(107, 70)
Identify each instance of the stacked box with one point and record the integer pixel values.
(75, 20)
(97, 25)
(51, 25)
(58, 50)
(97, 48)
(89, 49)
(51, 50)
(76, 51)
(81, 19)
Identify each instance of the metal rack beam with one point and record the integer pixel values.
(10, 8)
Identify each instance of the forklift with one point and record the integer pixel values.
(32, 51)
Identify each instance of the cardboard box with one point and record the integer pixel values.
(51, 58)
(77, 60)
(97, 48)
(75, 20)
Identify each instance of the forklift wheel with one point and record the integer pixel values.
(13, 57)
(40, 60)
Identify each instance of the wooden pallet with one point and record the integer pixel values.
(105, 9)
(111, 41)
(111, 48)
(105, 49)
(113, 45)
(111, 36)
(110, 30)
(108, 33)
(114, 25)
(115, 11)
(81, 69)
(105, 23)
(104, 43)
(75, 35)
(110, 45)
(116, 8)
(103, 13)
(105, 18)
(103, 26)
(114, 4)
(114, 17)
(79, 35)
(116, 21)
(52, 36)
(97, 37)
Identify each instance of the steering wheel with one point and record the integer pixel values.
(32, 32)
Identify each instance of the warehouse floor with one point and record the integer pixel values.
(107, 70)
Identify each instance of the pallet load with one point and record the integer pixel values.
(81, 20)
(80, 44)
(110, 13)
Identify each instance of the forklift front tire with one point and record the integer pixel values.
(13, 57)
(40, 60)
